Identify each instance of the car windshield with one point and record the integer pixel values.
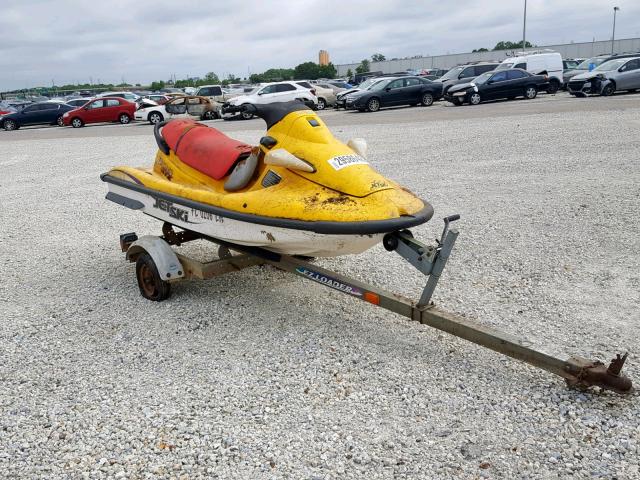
(380, 84)
(611, 65)
(482, 78)
(451, 74)
(505, 66)
(585, 65)
(367, 83)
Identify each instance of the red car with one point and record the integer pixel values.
(105, 109)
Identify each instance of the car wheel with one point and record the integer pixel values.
(77, 123)
(60, 121)
(155, 117)
(246, 115)
(554, 86)
(124, 118)
(209, 115)
(426, 100)
(530, 93)
(373, 105)
(475, 98)
(608, 90)
(322, 104)
(456, 101)
(10, 125)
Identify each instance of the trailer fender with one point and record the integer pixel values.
(166, 260)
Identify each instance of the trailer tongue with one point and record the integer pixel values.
(158, 265)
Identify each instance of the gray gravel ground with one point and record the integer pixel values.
(261, 375)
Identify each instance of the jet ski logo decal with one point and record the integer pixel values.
(329, 282)
(342, 161)
(174, 212)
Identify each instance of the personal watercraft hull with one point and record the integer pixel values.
(285, 236)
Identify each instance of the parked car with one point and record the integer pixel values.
(274, 92)
(341, 98)
(132, 97)
(201, 108)
(432, 73)
(592, 63)
(336, 90)
(569, 64)
(393, 92)
(98, 110)
(464, 73)
(608, 78)
(78, 102)
(215, 93)
(498, 84)
(326, 96)
(539, 63)
(341, 84)
(159, 98)
(41, 113)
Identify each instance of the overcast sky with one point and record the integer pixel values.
(73, 41)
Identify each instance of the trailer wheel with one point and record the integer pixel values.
(151, 286)
(389, 242)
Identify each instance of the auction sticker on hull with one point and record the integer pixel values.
(342, 161)
(329, 281)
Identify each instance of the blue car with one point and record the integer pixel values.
(42, 113)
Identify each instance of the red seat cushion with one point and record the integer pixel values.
(204, 148)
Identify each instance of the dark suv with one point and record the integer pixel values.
(464, 73)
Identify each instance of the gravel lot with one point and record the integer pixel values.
(262, 375)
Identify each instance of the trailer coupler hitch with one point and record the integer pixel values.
(585, 373)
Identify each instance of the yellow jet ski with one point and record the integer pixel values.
(300, 192)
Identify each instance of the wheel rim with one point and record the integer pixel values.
(154, 118)
(475, 99)
(124, 119)
(247, 116)
(374, 105)
(60, 122)
(427, 99)
(321, 104)
(9, 125)
(531, 92)
(77, 123)
(147, 281)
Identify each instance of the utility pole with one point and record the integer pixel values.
(613, 37)
(524, 28)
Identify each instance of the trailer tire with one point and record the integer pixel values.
(151, 286)
(389, 242)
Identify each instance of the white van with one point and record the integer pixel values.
(545, 63)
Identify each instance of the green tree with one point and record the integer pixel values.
(378, 57)
(506, 45)
(157, 85)
(363, 67)
(211, 78)
(307, 70)
(479, 50)
(349, 73)
(327, 71)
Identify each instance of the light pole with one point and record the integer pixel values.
(613, 37)
(524, 28)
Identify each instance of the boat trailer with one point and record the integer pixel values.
(158, 265)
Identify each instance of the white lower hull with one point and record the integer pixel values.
(286, 241)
